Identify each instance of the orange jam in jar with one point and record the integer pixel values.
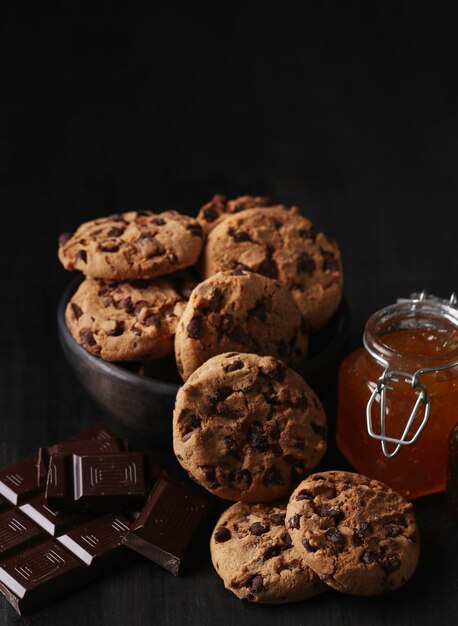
(410, 359)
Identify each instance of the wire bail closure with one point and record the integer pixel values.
(385, 383)
(421, 401)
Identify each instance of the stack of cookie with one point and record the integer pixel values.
(268, 280)
(279, 243)
(248, 428)
(128, 306)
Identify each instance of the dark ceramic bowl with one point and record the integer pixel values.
(145, 405)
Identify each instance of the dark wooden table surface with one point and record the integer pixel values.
(351, 115)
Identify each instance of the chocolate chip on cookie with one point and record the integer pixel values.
(127, 321)
(284, 246)
(238, 415)
(256, 559)
(245, 312)
(357, 534)
(134, 245)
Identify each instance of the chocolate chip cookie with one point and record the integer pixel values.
(220, 207)
(253, 553)
(248, 428)
(126, 321)
(284, 246)
(239, 311)
(134, 245)
(357, 534)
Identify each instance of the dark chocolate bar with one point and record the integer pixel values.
(44, 554)
(97, 440)
(36, 574)
(167, 523)
(99, 482)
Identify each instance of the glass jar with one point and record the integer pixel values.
(398, 396)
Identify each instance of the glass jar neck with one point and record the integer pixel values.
(413, 318)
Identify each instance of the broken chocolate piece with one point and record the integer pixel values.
(167, 523)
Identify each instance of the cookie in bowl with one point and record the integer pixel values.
(284, 246)
(126, 321)
(133, 245)
(243, 312)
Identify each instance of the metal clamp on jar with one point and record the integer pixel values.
(398, 396)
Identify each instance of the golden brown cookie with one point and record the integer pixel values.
(284, 246)
(248, 428)
(357, 534)
(126, 321)
(253, 553)
(243, 312)
(134, 245)
(220, 207)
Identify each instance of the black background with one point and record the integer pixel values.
(350, 113)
